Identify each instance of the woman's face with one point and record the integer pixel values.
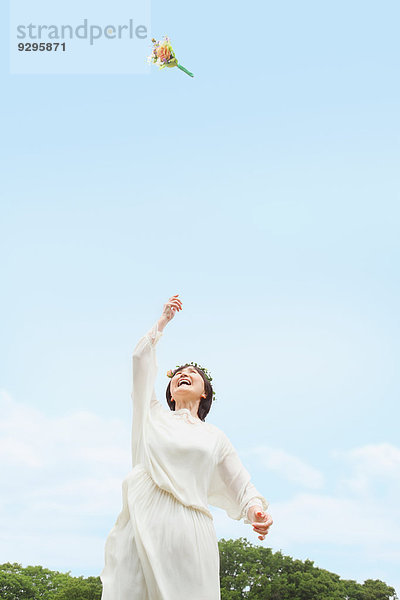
(187, 383)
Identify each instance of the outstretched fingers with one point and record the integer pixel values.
(175, 302)
(172, 306)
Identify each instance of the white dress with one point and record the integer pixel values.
(163, 545)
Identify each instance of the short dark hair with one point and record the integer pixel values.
(205, 403)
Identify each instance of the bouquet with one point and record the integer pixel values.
(163, 55)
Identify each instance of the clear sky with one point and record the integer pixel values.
(265, 192)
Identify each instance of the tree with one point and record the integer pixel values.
(247, 572)
(14, 585)
(78, 588)
(256, 573)
(373, 589)
(38, 583)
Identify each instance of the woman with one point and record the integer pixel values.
(163, 545)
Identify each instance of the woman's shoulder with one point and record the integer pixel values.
(217, 432)
(212, 427)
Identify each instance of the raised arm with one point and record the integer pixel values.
(144, 368)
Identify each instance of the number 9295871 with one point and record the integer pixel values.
(42, 47)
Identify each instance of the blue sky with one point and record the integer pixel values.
(265, 192)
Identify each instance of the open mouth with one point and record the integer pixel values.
(184, 382)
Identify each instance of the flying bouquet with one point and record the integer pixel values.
(163, 55)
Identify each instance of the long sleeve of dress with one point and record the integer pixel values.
(231, 488)
(144, 368)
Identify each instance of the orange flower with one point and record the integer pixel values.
(163, 53)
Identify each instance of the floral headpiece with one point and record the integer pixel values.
(163, 55)
(206, 372)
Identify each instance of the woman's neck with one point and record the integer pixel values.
(191, 405)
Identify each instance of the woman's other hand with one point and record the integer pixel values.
(261, 521)
(170, 308)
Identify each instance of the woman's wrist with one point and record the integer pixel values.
(161, 323)
(254, 507)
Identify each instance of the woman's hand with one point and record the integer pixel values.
(261, 521)
(170, 308)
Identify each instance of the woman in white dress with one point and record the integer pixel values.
(163, 545)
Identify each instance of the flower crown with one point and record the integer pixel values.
(206, 372)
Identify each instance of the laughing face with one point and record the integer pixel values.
(187, 383)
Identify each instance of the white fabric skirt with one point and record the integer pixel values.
(159, 549)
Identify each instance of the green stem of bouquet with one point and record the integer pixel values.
(184, 70)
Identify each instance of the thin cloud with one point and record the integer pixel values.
(61, 484)
(372, 467)
(290, 467)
